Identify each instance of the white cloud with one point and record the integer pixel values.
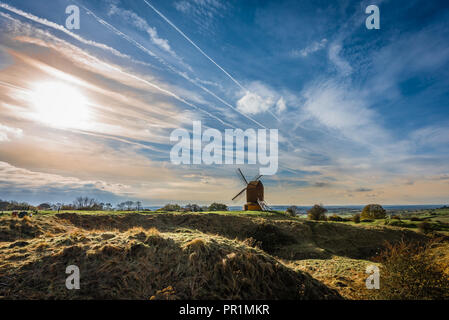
(58, 27)
(259, 99)
(338, 107)
(334, 56)
(140, 23)
(433, 136)
(27, 179)
(252, 103)
(6, 133)
(280, 105)
(314, 47)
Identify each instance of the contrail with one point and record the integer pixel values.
(61, 28)
(201, 51)
(152, 54)
(107, 48)
(167, 92)
(193, 43)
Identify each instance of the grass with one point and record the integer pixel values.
(205, 255)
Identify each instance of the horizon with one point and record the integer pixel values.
(362, 114)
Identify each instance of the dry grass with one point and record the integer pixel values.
(412, 271)
(345, 275)
(186, 256)
(143, 262)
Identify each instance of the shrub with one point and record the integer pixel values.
(356, 218)
(396, 217)
(292, 211)
(409, 272)
(366, 220)
(335, 217)
(425, 227)
(415, 219)
(171, 207)
(317, 212)
(193, 208)
(373, 211)
(218, 207)
(396, 223)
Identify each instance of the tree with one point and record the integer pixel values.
(44, 206)
(193, 208)
(4, 205)
(85, 203)
(317, 212)
(129, 204)
(373, 211)
(218, 207)
(292, 211)
(356, 218)
(14, 205)
(139, 205)
(171, 207)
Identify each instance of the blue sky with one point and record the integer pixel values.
(362, 114)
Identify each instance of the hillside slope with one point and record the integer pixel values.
(177, 256)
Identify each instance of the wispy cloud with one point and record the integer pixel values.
(142, 24)
(340, 63)
(202, 12)
(61, 28)
(314, 47)
(8, 133)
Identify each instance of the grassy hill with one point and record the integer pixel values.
(162, 255)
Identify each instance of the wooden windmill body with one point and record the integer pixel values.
(254, 194)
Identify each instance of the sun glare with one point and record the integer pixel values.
(60, 105)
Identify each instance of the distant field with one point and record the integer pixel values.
(439, 218)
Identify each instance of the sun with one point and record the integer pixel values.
(60, 105)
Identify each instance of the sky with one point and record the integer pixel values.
(362, 114)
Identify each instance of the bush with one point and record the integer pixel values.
(171, 207)
(373, 211)
(415, 219)
(192, 208)
(425, 227)
(396, 223)
(367, 220)
(396, 217)
(218, 207)
(356, 218)
(409, 271)
(335, 217)
(317, 212)
(292, 211)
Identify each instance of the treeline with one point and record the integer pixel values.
(318, 213)
(91, 204)
(14, 205)
(195, 208)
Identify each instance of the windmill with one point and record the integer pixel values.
(254, 194)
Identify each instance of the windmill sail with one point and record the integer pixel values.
(242, 176)
(238, 194)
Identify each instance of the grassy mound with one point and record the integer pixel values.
(145, 263)
(285, 238)
(189, 256)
